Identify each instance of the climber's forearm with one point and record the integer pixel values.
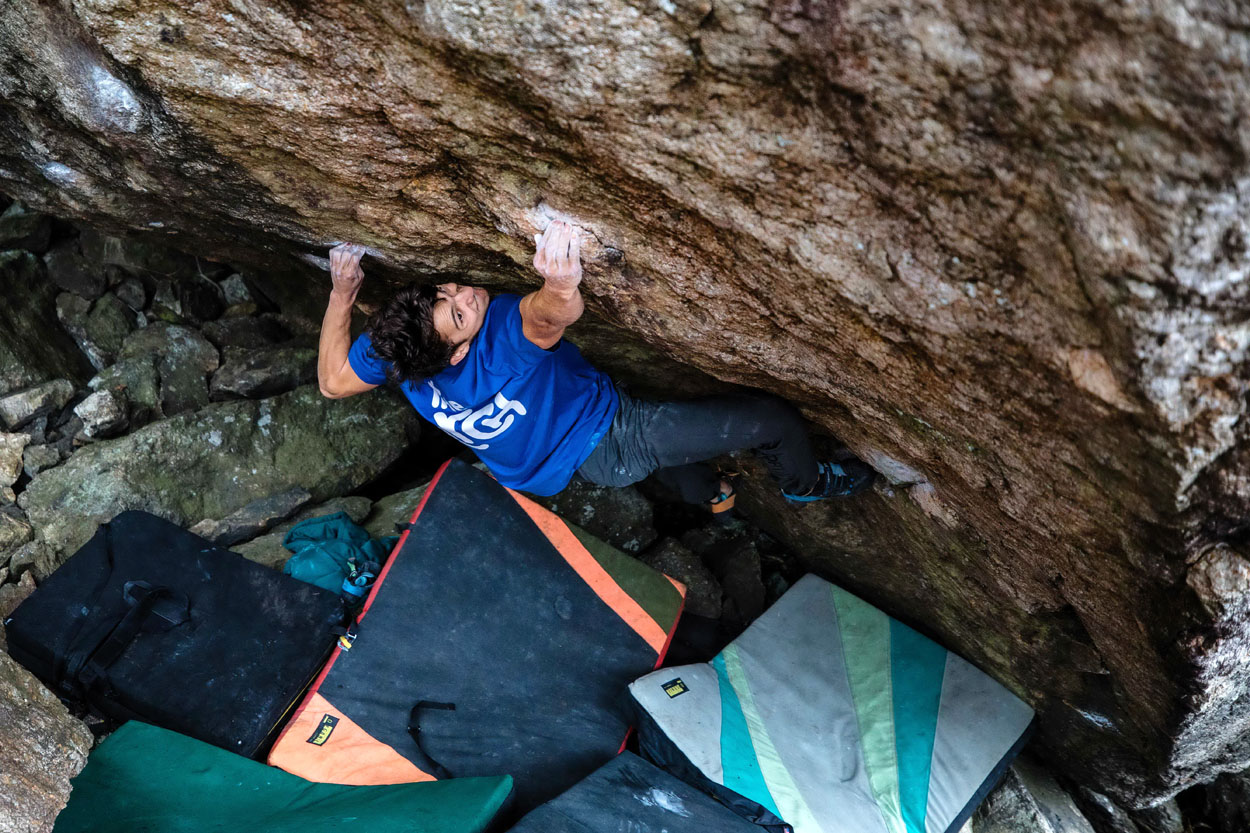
(335, 376)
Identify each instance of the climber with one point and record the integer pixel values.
(496, 373)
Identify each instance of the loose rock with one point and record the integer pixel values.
(70, 271)
(23, 406)
(21, 228)
(34, 348)
(253, 519)
(184, 360)
(235, 290)
(703, 592)
(15, 531)
(1029, 801)
(262, 331)
(103, 414)
(264, 372)
(621, 517)
(209, 463)
(132, 293)
(41, 748)
(268, 550)
(11, 447)
(100, 328)
(37, 458)
(138, 380)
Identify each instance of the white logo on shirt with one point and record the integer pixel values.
(496, 417)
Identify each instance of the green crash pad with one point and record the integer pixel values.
(148, 780)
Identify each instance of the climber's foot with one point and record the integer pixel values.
(841, 479)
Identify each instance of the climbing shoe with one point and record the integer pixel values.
(841, 479)
(722, 505)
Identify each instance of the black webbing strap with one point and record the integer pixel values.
(80, 645)
(414, 729)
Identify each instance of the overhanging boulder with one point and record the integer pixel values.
(1000, 251)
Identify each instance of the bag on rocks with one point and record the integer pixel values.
(150, 622)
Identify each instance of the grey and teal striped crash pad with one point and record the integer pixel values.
(143, 779)
(628, 794)
(836, 718)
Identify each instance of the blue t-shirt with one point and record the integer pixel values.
(532, 415)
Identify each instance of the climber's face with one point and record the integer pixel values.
(458, 315)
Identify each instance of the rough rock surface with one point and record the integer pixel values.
(1029, 801)
(22, 406)
(264, 372)
(999, 249)
(621, 517)
(253, 518)
(268, 549)
(703, 593)
(33, 347)
(209, 463)
(41, 748)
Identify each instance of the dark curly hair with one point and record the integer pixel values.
(403, 334)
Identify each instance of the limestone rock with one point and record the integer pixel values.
(253, 518)
(212, 462)
(621, 517)
(268, 549)
(70, 271)
(1003, 245)
(1029, 801)
(703, 592)
(21, 228)
(264, 372)
(103, 414)
(33, 346)
(41, 748)
(22, 406)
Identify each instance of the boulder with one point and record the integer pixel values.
(132, 293)
(248, 332)
(100, 328)
(1029, 801)
(252, 519)
(41, 748)
(36, 458)
(236, 290)
(22, 406)
(1001, 245)
(703, 593)
(34, 348)
(138, 381)
(21, 228)
(15, 531)
(262, 372)
(268, 550)
(33, 557)
(212, 462)
(621, 517)
(390, 512)
(71, 272)
(11, 448)
(184, 359)
(103, 414)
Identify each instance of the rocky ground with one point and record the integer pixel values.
(138, 377)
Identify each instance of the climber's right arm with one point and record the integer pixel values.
(335, 376)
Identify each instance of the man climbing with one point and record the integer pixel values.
(497, 374)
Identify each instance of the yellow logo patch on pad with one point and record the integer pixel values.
(673, 688)
(319, 737)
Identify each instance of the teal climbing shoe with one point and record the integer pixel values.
(841, 479)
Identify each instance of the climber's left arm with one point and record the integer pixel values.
(546, 312)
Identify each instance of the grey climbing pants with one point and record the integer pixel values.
(673, 439)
